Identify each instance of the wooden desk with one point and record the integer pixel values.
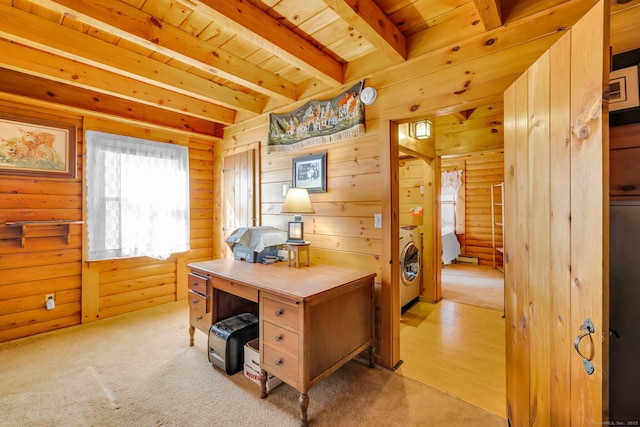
(312, 320)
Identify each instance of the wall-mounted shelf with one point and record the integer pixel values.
(28, 226)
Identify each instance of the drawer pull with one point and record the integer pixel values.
(278, 362)
(195, 300)
(194, 283)
(199, 317)
(278, 338)
(278, 312)
(628, 187)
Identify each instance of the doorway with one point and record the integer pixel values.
(450, 345)
(557, 256)
(472, 223)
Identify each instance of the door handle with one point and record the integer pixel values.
(586, 361)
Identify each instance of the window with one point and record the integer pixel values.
(137, 197)
(452, 201)
(448, 212)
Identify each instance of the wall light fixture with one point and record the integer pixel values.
(420, 129)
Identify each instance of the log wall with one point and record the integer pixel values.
(87, 291)
(481, 170)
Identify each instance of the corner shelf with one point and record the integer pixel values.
(26, 226)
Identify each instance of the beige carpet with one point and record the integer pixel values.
(479, 285)
(138, 370)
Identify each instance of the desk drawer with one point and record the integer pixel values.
(238, 289)
(198, 283)
(200, 319)
(280, 338)
(198, 301)
(279, 363)
(281, 312)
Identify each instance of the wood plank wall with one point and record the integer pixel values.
(341, 231)
(480, 170)
(86, 291)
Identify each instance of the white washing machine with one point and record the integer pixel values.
(410, 263)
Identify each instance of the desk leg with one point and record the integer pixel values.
(192, 330)
(371, 364)
(304, 404)
(263, 384)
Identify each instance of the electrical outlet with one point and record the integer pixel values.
(50, 301)
(377, 220)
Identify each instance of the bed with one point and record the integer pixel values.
(450, 246)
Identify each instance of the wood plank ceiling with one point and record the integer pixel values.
(205, 64)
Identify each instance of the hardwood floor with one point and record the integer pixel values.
(456, 348)
(478, 285)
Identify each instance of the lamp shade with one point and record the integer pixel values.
(297, 201)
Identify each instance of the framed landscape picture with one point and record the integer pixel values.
(310, 172)
(37, 147)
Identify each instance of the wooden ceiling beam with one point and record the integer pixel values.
(463, 115)
(46, 65)
(33, 87)
(461, 84)
(490, 13)
(430, 52)
(370, 21)
(251, 23)
(49, 36)
(139, 27)
(551, 20)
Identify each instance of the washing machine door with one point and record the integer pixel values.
(409, 264)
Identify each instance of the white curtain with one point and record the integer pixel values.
(137, 197)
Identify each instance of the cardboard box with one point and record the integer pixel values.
(252, 365)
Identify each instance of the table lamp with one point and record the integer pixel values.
(297, 202)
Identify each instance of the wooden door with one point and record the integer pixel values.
(556, 231)
(238, 193)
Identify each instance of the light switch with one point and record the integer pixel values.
(377, 220)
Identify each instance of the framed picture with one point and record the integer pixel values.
(37, 147)
(623, 89)
(310, 172)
